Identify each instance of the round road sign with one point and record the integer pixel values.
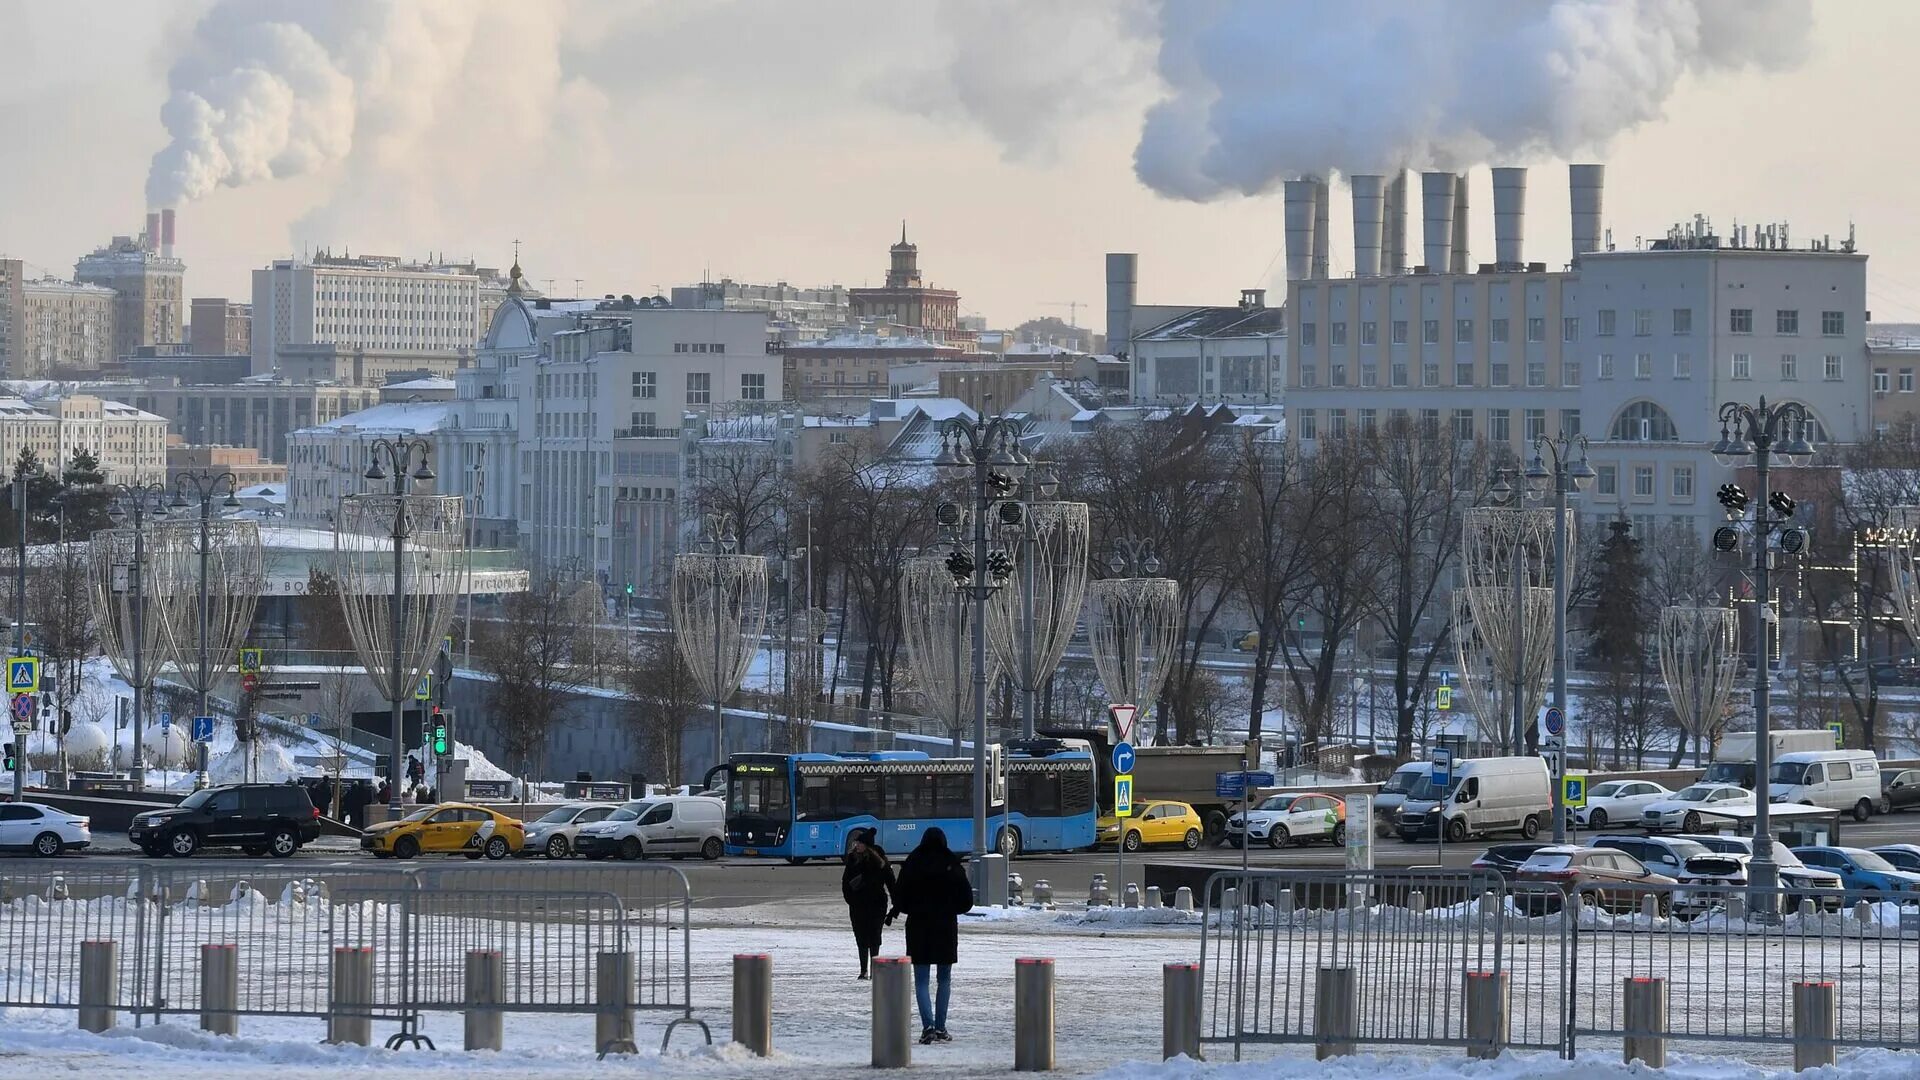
(1556, 722)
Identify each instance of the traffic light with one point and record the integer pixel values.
(439, 732)
(11, 764)
(629, 588)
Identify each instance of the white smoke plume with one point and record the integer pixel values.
(1259, 91)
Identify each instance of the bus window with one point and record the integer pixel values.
(1034, 794)
(909, 797)
(1076, 791)
(857, 796)
(816, 798)
(953, 795)
(762, 793)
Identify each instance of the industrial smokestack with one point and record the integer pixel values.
(1299, 195)
(1123, 270)
(1397, 223)
(1587, 185)
(1369, 217)
(1436, 218)
(166, 233)
(1509, 218)
(1321, 234)
(150, 240)
(1460, 218)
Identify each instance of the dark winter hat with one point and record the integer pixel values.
(864, 836)
(935, 840)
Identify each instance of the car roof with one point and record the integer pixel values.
(1912, 849)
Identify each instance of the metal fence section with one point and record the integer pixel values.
(44, 916)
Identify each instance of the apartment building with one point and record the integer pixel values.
(148, 283)
(217, 326)
(129, 444)
(408, 316)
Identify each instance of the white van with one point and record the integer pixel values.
(1488, 795)
(671, 825)
(1836, 779)
(1393, 794)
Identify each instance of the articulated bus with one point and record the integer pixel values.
(806, 806)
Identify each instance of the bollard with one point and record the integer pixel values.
(1417, 902)
(1183, 899)
(1016, 891)
(1736, 908)
(993, 881)
(1645, 1020)
(753, 1002)
(350, 999)
(1180, 992)
(1650, 907)
(613, 1012)
(1032, 1015)
(1130, 898)
(220, 989)
(1097, 894)
(1862, 914)
(486, 991)
(1283, 902)
(1487, 1007)
(1230, 903)
(1153, 897)
(1815, 1022)
(1334, 1006)
(99, 985)
(892, 1012)
(1043, 893)
(1807, 907)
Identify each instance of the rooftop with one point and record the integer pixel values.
(1221, 322)
(411, 417)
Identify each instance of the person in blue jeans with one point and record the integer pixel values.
(933, 892)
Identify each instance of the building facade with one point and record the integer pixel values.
(63, 327)
(412, 316)
(244, 462)
(149, 286)
(1233, 354)
(254, 413)
(908, 301)
(129, 444)
(217, 326)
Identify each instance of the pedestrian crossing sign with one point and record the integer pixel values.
(252, 660)
(425, 690)
(1443, 698)
(1573, 789)
(23, 675)
(1123, 795)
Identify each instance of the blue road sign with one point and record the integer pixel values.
(23, 675)
(1443, 769)
(1229, 785)
(1556, 722)
(1259, 779)
(1123, 757)
(23, 706)
(203, 729)
(166, 718)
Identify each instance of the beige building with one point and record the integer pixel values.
(149, 289)
(244, 462)
(217, 326)
(367, 314)
(129, 444)
(48, 325)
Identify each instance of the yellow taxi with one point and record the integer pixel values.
(446, 829)
(1154, 822)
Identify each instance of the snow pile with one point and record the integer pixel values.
(263, 761)
(1122, 917)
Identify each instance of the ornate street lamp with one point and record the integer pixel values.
(131, 629)
(1030, 630)
(719, 607)
(1133, 626)
(1569, 473)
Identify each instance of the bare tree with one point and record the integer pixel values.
(884, 516)
(1266, 552)
(664, 698)
(538, 654)
(741, 484)
(58, 604)
(341, 694)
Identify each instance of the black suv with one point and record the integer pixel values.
(259, 819)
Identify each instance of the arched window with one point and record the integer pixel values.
(1816, 431)
(1643, 421)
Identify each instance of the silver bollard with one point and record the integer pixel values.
(1645, 1021)
(613, 1004)
(220, 989)
(1016, 891)
(1230, 903)
(1487, 1008)
(1650, 906)
(1097, 892)
(753, 1002)
(1043, 893)
(1862, 912)
(99, 985)
(350, 999)
(1180, 995)
(486, 992)
(1335, 1006)
(1183, 899)
(892, 1012)
(1153, 897)
(1807, 907)
(1815, 1022)
(993, 879)
(1032, 1014)
(1736, 908)
(1130, 897)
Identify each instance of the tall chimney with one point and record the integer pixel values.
(150, 241)
(1123, 270)
(1459, 263)
(1436, 218)
(1397, 223)
(1321, 234)
(1369, 217)
(1299, 195)
(1586, 184)
(1510, 218)
(166, 233)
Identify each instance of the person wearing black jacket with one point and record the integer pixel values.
(866, 882)
(934, 892)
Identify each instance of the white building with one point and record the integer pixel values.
(130, 445)
(407, 317)
(1233, 354)
(328, 461)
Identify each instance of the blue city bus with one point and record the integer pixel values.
(806, 806)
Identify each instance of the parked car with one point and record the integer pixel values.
(42, 829)
(553, 832)
(1682, 811)
(1862, 871)
(259, 819)
(1902, 856)
(446, 829)
(1154, 823)
(1666, 855)
(1488, 795)
(1899, 790)
(1613, 879)
(1723, 843)
(1393, 794)
(672, 825)
(1846, 780)
(1283, 819)
(1505, 859)
(1619, 801)
(1709, 877)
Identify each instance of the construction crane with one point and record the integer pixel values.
(1073, 310)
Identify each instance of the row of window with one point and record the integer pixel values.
(1499, 331)
(1499, 373)
(1883, 380)
(700, 347)
(1606, 481)
(1740, 366)
(1499, 423)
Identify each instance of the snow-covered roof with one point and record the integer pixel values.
(431, 382)
(273, 493)
(941, 408)
(412, 417)
(871, 341)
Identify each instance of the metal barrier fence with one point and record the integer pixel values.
(1456, 958)
(419, 922)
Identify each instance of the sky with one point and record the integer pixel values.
(632, 146)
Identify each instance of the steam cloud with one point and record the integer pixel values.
(1259, 92)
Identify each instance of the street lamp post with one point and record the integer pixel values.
(1760, 432)
(205, 488)
(136, 502)
(1569, 473)
(1504, 494)
(407, 461)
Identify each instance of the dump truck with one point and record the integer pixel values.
(1181, 773)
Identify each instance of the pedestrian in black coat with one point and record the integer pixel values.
(933, 892)
(866, 882)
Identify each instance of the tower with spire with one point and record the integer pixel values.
(906, 306)
(904, 272)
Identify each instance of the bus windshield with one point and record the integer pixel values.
(759, 793)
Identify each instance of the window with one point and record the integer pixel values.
(1683, 481)
(1337, 423)
(718, 346)
(1643, 481)
(1497, 331)
(1742, 366)
(1309, 375)
(1643, 322)
(1497, 374)
(1789, 367)
(1533, 424)
(1337, 333)
(1643, 365)
(1682, 321)
(1399, 331)
(1369, 374)
(1682, 365)
(646, 384)
(1463, 424)
(1786, 321)
(1833, 368)
(1368, 421)
(1569, 372)
(1309, 335)
(1906, 380)
(699, 388)
(1833, 323)
(1740, 320)
(1309, 424)
(1536, 373)
(753, 387)
(1606, 480)
(1603, 369)
(1429, 374)
(679, 346)
(1570, 422)
(1462, 331)
(1643, 421)
(1430, 332)
(1570, 328)
(1369, 333)
(1603, 323)
(1399, 374)
(1498, 429)
(1536, 329)
(1463, 374)
(1336, 374)
(1881, 382)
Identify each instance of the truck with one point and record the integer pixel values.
(1734, 759)
(1180, 773)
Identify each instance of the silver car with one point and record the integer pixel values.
(553, 833)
